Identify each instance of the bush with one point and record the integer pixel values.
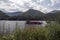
(50, 32)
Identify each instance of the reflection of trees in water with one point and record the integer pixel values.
(8, 30)
(0, 28)
(9, 26)
(3, 29)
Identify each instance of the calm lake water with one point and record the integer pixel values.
(12, 24)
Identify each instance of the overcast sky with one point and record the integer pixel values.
(24, 5)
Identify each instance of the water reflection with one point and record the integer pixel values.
(10, 25)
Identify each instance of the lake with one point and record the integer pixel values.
(10, 25)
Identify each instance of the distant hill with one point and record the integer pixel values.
(54, 11)
(32, 14)
(53, 15)
(14, 13)
(3, 15)
(38, 15)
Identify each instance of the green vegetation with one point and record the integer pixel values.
(33, 15)
(3, 16)
(50, 32)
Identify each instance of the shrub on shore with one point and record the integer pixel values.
(50, 32)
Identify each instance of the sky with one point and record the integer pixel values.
(24, 5)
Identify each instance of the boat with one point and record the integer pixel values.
(34, 22)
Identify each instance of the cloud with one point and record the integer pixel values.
(23, 5)
(55, 1)
(10, 7)
(7, 6)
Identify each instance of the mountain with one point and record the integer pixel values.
(54, 11)
(53, 15)
(3, 15)
(32, 14)
(14, 13)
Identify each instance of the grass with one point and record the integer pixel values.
(50, 32)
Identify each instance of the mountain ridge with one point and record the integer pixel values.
(31, 14)
(14, 13)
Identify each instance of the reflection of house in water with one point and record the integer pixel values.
(35, 23)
